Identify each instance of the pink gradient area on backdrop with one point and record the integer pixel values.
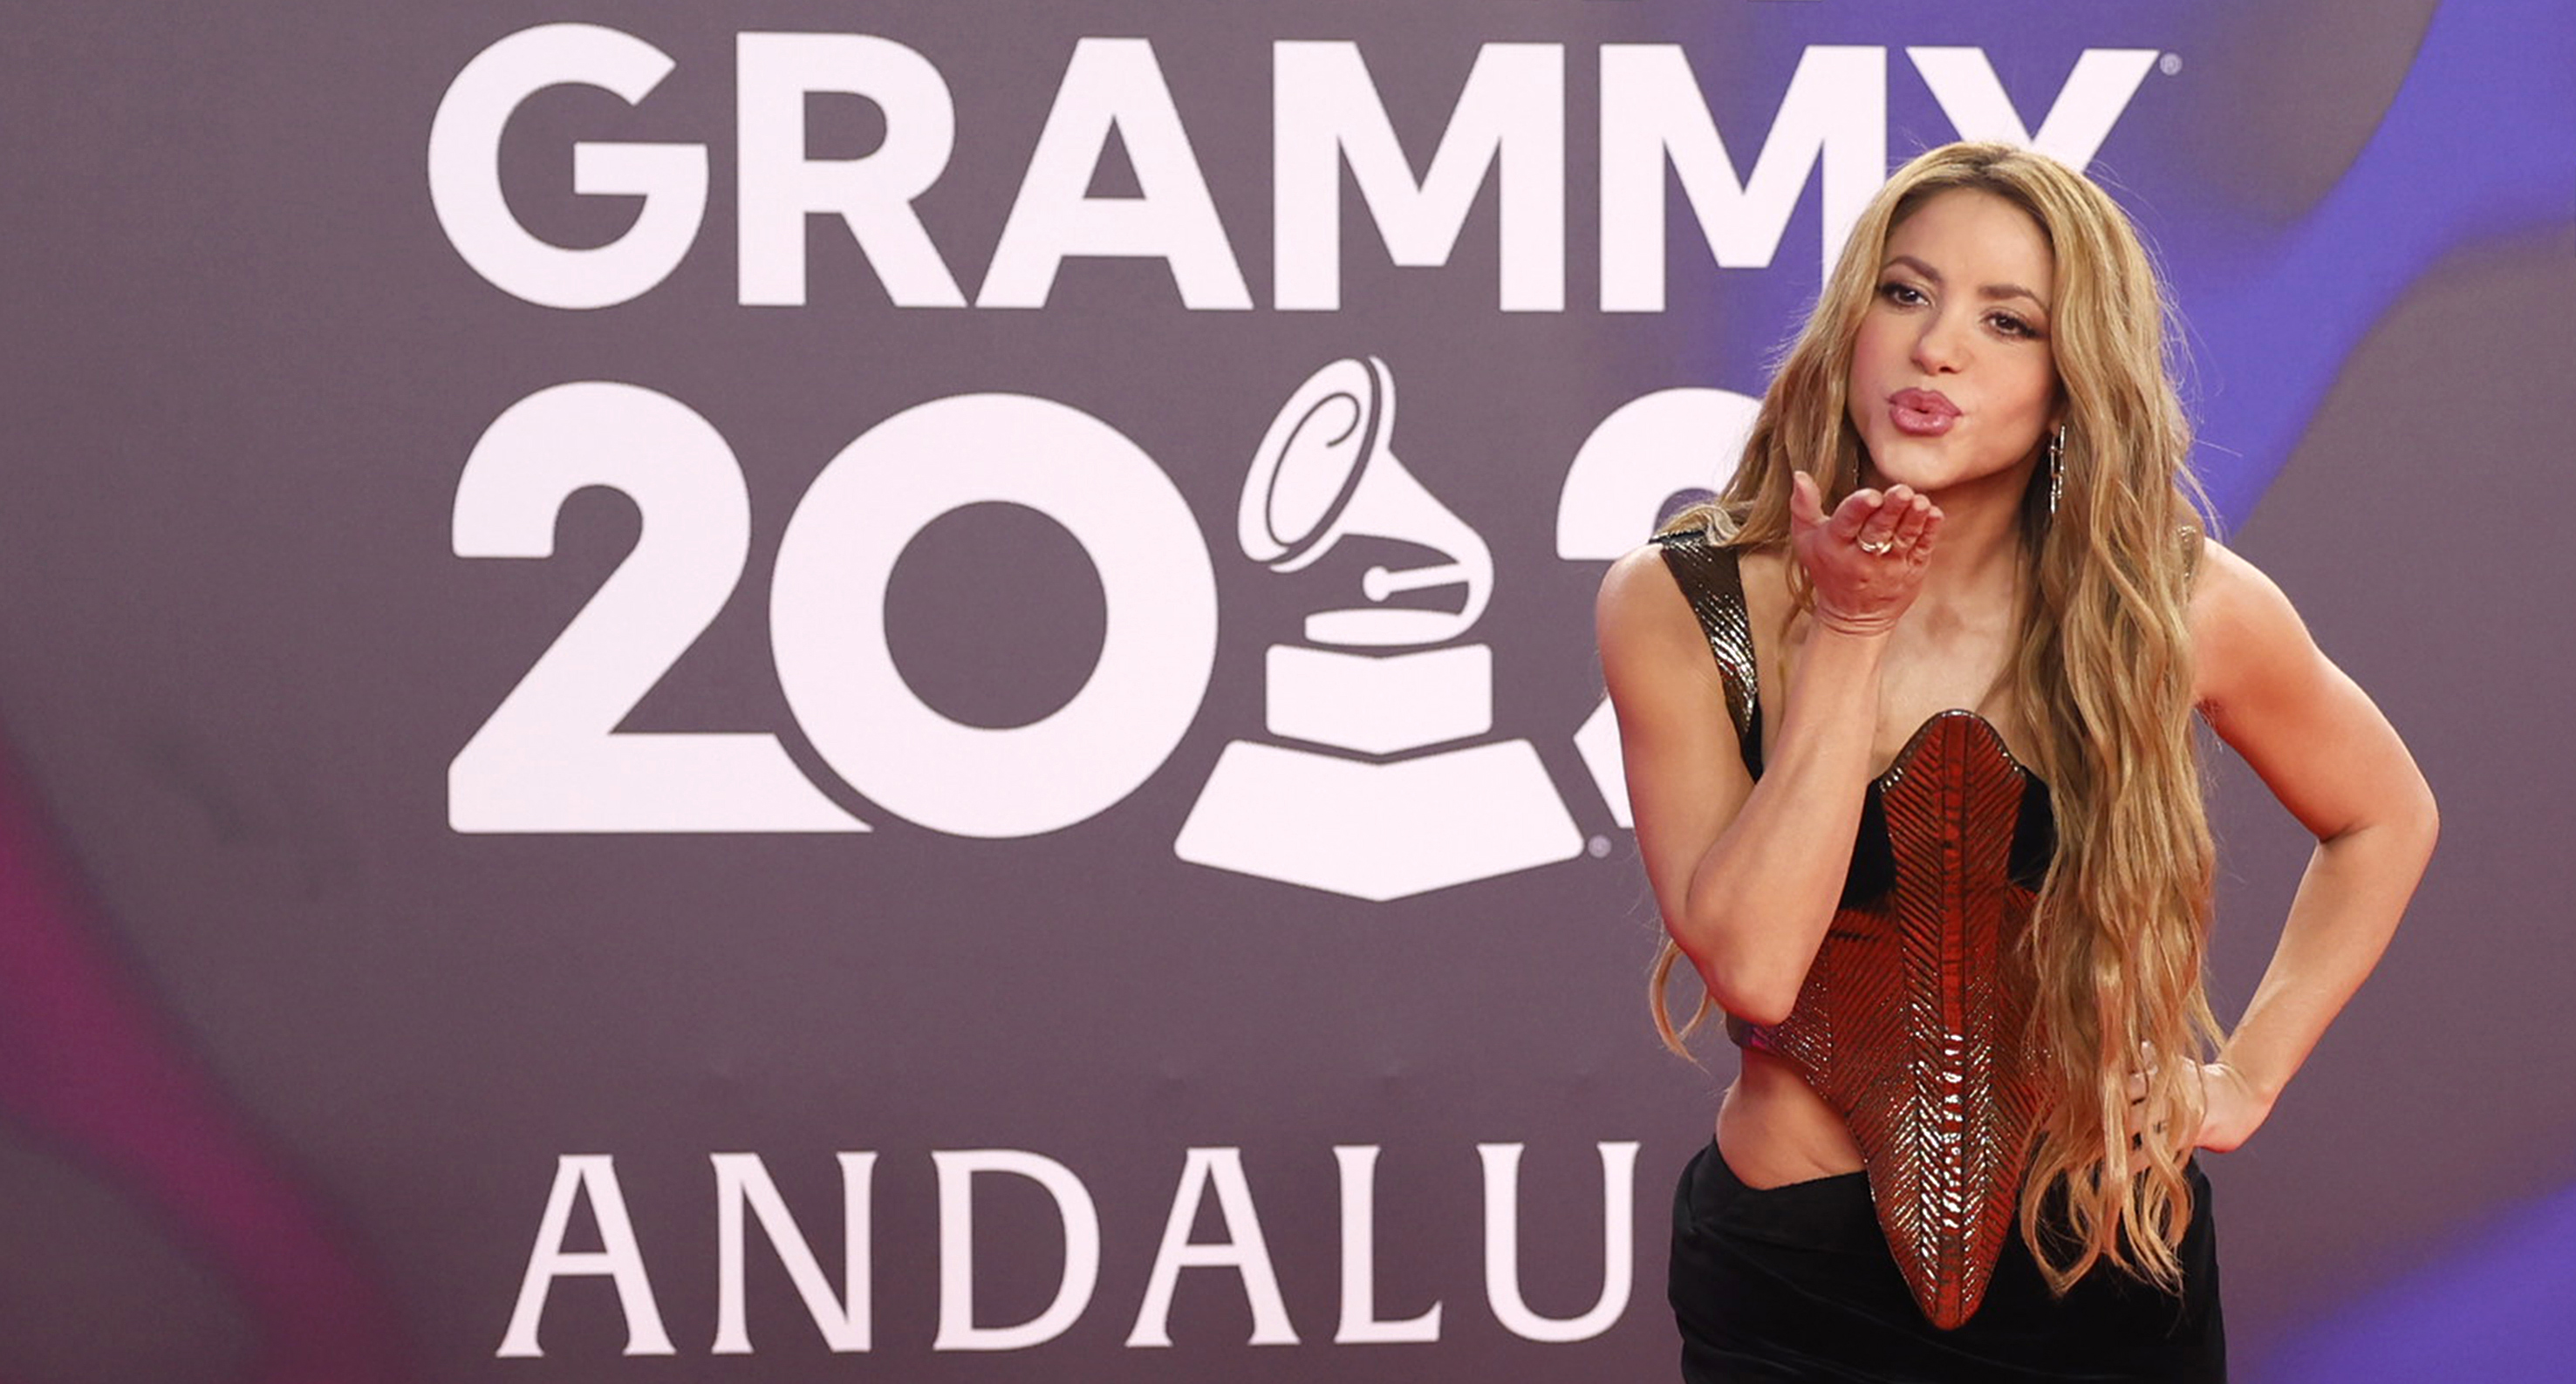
(87, 1067)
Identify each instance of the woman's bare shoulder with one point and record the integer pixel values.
(2242, 624)
(1640, 604)
(1641, 589)
(2229, 593)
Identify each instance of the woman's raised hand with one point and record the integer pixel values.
(1865, 561)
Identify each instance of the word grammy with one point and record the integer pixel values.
(846, 1320)
(1508, 124)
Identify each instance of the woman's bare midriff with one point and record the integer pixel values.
(1773, 1129)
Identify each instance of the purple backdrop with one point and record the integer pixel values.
(682, 697)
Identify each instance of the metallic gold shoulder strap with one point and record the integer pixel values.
(1712, 581)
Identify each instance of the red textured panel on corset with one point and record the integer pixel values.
(1911, 1020)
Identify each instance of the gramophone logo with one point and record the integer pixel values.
(1366, 803)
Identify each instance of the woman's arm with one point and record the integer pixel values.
(2334, 761)
(1747, 874)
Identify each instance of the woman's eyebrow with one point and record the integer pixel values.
(1990, 291)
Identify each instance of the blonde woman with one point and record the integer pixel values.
(1908, 720)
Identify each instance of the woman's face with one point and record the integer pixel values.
(1953, 381)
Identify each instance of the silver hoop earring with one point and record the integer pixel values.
(2056, 467)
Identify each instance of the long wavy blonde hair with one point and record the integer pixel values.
(2102, 678)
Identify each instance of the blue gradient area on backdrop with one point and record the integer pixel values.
(2272, 310)
(2273, 317)
(2501, 1309)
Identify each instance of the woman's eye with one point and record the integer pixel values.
(1903, 295)
(2013, 326)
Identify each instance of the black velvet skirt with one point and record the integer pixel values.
(1796, 1283)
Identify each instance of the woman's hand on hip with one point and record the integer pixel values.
(2231, 1108)
(1865, 560)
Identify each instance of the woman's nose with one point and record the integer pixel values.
(1941, 346)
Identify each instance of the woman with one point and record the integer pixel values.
(1958, 556)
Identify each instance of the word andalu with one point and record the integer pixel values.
(846, 1320)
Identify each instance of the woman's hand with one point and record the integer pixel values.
(1866, 561)
(2231, 1109)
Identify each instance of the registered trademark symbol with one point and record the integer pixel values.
(2169, 64)
(1599, 846)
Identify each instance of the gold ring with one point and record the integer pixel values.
(1879, 549)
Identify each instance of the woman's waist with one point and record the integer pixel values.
(1773, 1129)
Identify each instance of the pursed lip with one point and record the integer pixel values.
(1931, 401)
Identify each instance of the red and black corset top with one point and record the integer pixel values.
(1911, 1021)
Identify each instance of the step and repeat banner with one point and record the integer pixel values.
(773, 692)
